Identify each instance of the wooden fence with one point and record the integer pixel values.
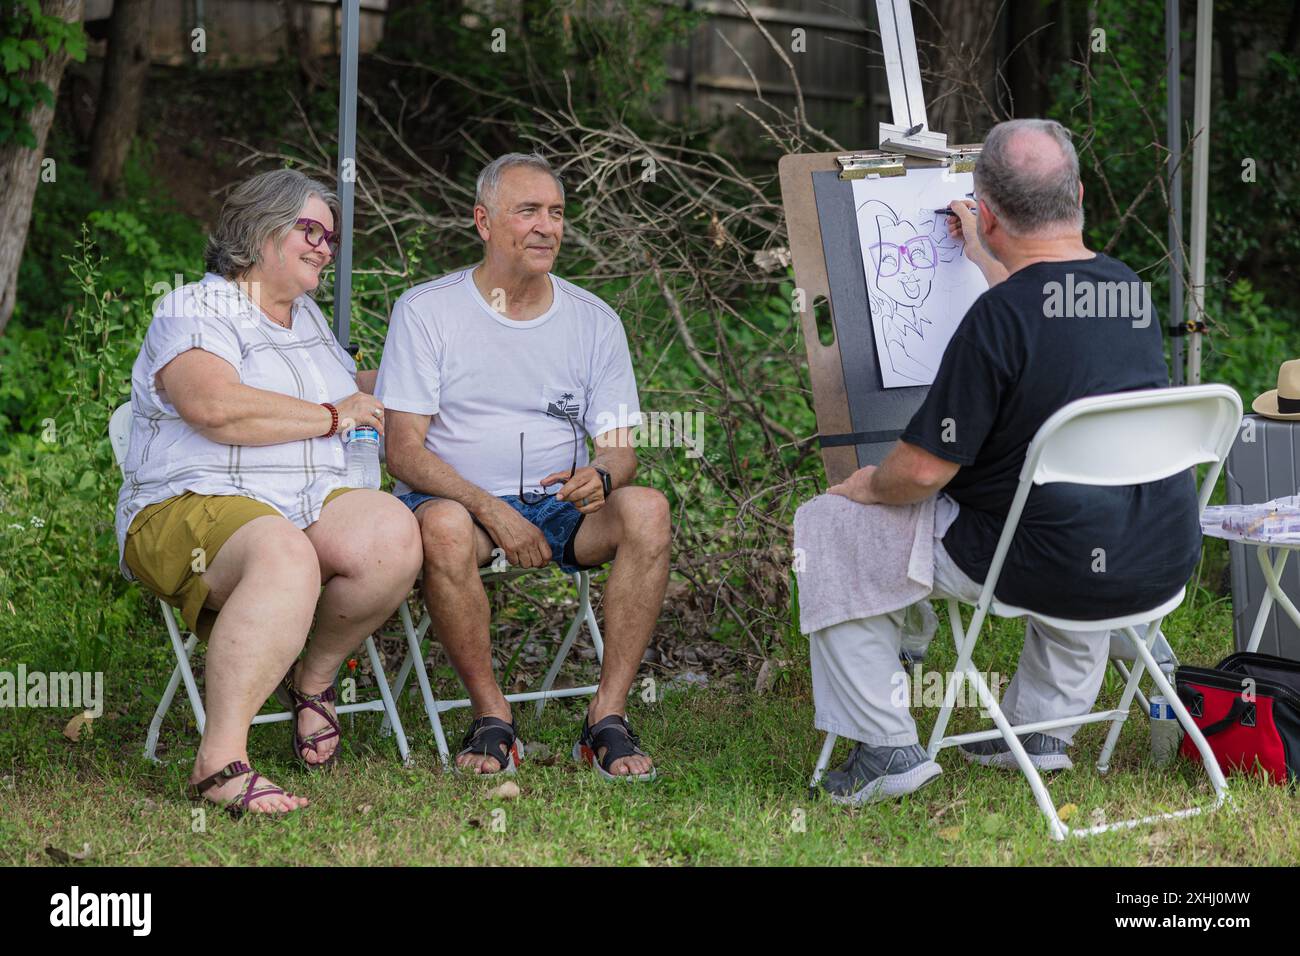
(836, 59)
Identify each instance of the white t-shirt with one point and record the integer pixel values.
(486, 378)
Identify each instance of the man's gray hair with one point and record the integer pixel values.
(489, 180)
(265, 206)
(1031, 190)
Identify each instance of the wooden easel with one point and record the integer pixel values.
(857, 419)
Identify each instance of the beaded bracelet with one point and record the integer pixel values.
(334, 420)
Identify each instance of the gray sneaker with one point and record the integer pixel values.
(872, 774)
(1045, 753)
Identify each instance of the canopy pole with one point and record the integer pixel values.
(1174, 137)
(347, 167)
(1200, 182)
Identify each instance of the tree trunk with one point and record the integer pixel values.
(20, 168)
(959, 65)
(1228, 57)
(125, 68)
(1034, 30)
(298, 43)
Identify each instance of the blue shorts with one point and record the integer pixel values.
(558, 521)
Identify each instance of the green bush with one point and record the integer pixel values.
(67, 604)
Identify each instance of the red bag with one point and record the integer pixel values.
(1248, 708)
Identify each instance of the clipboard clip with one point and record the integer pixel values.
(870, 165)
(959, 159)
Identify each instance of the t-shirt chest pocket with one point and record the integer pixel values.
(563, 402)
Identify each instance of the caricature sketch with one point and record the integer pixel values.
(919, 282)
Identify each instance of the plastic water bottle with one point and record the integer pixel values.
(363, 458)
(1166, 732)
(919, 625)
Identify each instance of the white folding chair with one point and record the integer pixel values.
(119, 433)
(1127, 438)
(415, 656)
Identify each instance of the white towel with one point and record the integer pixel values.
(854, 561)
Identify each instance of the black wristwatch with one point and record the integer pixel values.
(606, 483)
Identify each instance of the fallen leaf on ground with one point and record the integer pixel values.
(1157, 838)
(365, 808)
(78, 727)
(949, 833)
(1067, 811)
(507, 791)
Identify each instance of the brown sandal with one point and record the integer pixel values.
(238, 805)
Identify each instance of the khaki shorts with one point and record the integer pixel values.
(171, 543)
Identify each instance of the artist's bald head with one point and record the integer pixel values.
(1028, 174)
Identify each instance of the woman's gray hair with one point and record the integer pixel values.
(489, 180)
(258, 209)
(1030, 189)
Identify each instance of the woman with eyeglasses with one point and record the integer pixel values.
(235, 507)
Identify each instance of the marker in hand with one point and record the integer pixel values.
(947, 211)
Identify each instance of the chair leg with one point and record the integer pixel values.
(1211, 762)
(584, 604)
(183, 651)
(403, 671)
(964, 645)
(1130, 688)
(415, 662)
(1147, 659)
(1058, 830)
(823, 759)
(164, 705)
(584, 612)
(1143, 704)
(390, 708)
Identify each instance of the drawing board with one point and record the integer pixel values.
(858, 419)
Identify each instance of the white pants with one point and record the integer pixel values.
(857, 675)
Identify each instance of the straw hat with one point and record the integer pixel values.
(1282, 402)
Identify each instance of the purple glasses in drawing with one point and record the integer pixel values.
(919, 251)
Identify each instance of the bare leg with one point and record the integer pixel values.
(265, 581)
(368, 547)
(634, 528)
(454, 549)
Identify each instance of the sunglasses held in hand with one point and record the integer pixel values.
(533, 497)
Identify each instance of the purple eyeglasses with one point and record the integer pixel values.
(317, 233)
(919, 250)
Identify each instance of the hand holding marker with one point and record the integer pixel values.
(947, 211)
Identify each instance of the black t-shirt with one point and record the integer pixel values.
(1014, 360)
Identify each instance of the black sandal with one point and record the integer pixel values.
(615, 734)
(495, 738)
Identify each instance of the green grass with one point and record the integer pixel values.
(732, 790)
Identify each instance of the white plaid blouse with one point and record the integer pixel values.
(168, 457)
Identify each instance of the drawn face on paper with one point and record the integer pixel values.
(905, 259)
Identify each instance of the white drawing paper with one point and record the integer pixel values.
(919, 281)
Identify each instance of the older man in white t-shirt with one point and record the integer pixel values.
(493, 377)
